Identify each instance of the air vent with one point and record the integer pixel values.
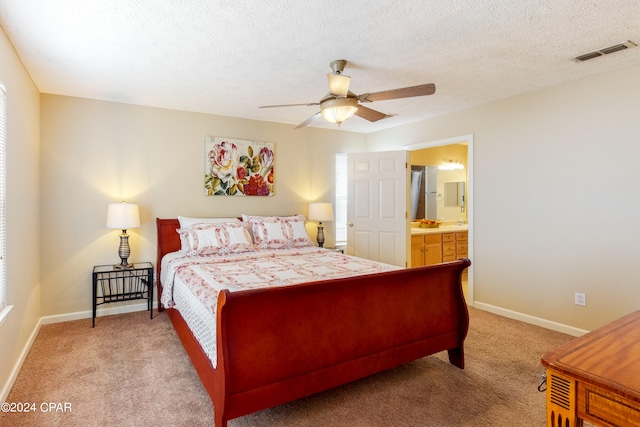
(605, 51)
(587, 56)
(560, 392)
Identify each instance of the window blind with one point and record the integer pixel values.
(341, 199)
(3, 198)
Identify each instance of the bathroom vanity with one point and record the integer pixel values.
(438, 245)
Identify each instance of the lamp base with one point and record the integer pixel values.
(123, 252)
(320, 237)
(125, 266)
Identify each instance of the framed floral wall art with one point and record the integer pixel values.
(235, 167)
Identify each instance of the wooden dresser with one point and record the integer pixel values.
(596, 377)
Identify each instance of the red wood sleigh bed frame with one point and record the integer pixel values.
(280, 344)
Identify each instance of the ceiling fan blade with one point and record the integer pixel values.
(369, 114)
(291, 105)
(338, 84)
(308, 121)
(405, 92)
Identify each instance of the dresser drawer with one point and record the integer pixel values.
(448, 237)
(462, 246)
(449, 249)
(596, 404)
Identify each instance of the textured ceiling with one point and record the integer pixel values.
(227, 57)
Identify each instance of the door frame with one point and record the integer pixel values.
(468, 139)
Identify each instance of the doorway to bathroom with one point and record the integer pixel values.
(433, 154)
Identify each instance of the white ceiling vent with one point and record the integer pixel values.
(605, 51)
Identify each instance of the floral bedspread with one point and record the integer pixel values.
(206, 276)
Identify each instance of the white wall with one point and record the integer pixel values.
(96, 152)
(23, 247)
(555, 197)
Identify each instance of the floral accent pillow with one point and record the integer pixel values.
(278, 232)
(216, 239)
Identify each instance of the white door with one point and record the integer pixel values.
(377, 206)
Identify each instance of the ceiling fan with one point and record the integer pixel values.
(340, 104)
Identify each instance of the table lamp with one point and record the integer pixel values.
(123, 216)
(321, 211)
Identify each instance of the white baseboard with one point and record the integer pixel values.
(106, 311)
(16, 368)
(46, 320)
(547, 324)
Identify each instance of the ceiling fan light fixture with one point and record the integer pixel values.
(340, 104)
(339, 109)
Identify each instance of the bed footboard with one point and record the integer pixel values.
(277, 345)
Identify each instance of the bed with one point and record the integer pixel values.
(277, 344)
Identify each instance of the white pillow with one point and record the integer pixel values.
(216, 238)
(278, 232)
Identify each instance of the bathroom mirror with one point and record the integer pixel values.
(437, 194)
(454, 194)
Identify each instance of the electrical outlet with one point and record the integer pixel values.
(581, 299)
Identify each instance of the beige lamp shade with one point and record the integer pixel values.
(123, 216)
(321, 211)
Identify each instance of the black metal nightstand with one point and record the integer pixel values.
(111, 284)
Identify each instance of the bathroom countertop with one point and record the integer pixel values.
(441, 229)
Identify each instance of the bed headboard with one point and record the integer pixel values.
(168, 239)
